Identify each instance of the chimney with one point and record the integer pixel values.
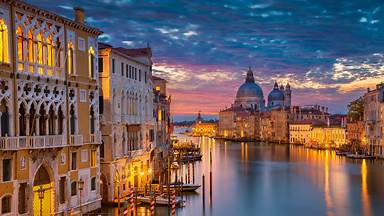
(79, 14)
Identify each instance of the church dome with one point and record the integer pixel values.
(276, 94)
(250, 88)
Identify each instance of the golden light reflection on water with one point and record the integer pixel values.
(327, 193)
(364, 190)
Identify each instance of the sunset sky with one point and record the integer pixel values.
(329, 51)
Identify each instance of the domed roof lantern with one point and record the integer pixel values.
(287, 86)
(281, 87)
(276, 86)
(250, 77)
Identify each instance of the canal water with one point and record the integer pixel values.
(272, 179)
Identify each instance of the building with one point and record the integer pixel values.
(203, 128)
(327, 137)
(244, 118)
(373, 119)
(49, 112)
(127, 120)
(280, 119)
(310, 112)
(163, 127)
(356, 134)
(299, 132)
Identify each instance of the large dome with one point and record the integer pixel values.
(250, 89)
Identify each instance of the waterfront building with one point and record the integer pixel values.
(310, 112)
(327, 136)
(280, 119)
(373, 119)
(163, 127)
(299, 132)
(127, 120)
(49, 112)
(203, 128)
(243, 118)
(356, 134)
(266, 126)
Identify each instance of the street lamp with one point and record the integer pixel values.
(40, 193)
(80, 185)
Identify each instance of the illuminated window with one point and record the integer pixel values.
(93, 158)
(91, 63)
(40, 52)
(31, 51)
(157, 88)
(70, 58)
(50, 55)
(3, 42)
(20, 48)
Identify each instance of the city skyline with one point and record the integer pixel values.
(329, 53)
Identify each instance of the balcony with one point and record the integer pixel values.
(31, 142)
(76, 140)
(95, 138)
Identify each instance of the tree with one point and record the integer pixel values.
(356, 110)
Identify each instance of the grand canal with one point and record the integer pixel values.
(272, 179)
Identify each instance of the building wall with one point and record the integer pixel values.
(327, 137)
(126, 122)
(35, 77)
(299, 133)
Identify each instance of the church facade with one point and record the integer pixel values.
(243, 119)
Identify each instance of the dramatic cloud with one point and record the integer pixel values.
(329, 51)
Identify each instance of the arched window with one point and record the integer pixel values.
(40, 52)
(6, 204)
(60, 119)
(50, 55)
(22, 120)
(51, 121)
(20, 48)
(72, 119)
(4, 118)
(42, 119)
(92, 120)
(91, 63)
(32, 120)
(70, 58)
(3, 42)
(31, 51)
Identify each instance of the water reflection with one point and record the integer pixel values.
(267, 179)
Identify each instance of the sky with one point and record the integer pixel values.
(329, 51)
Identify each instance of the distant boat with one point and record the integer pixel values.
(359, 156)
(160, 200)
(342, 153)
(184, 187)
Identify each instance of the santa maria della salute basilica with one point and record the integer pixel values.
(250, 96)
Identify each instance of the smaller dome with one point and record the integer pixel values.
(276, 94)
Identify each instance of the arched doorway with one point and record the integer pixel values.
(43, 205)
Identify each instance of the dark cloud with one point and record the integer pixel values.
(302, 40)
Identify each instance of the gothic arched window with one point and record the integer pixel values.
(91, 63)
(22, 120)
(70, 58)
(4, 118)
(3, 42)
(72, 119)
(20, 48)
(92, 120)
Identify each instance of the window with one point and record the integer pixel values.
(73, 188)
(74, 161)
(126, 70)
(130, 72)
(84, 155)
(4, 119)
(70, 58)
(72, 120)
(20, 48)
(22, 198)
(22, 163)
(6, 205)
(113, 65)
(3, 42)
(145, 76)
(62, 190)
(135, 73)
(83, 95)
(81, 44)
(62, 158)
(139, 75)
(50, 55)
(151, 135)
(93, 158)
(100, 65)
(92, 120)
(6, 170)
(93, 183)
(122, 68)
(91, 63)
(31, 51)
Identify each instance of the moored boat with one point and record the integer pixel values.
(184, 187)
(359, 156)
(160, 200)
